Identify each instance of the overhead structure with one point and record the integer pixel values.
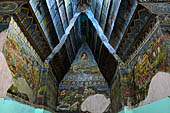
(64, 37)
(102, 36)
(56, 29)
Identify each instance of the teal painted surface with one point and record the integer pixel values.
(161, 106)
(122, 111)
(9, 106)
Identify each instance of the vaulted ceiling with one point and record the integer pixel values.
(123, 23)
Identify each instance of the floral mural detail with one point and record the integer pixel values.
(22, 59)
(153, 57)
(83, 79)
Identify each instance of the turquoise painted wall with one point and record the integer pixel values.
(161, 106)
(9, 106)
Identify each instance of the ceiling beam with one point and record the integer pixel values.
(102, 36)
(98, 29)
(97, 15)
(39, 25)
(42, 17)
(102, 22)
(59, 18)
(64, 37)
(91, 40)
(104, 16)
(104, 13)
(112, 17)
(63, 15)
(77, 24)
(128, 21)
(69, 13)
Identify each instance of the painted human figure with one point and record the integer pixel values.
(83, 57)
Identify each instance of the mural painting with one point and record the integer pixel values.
(153, 58)
(23, 62)
(29, 73)
(47, 88)
(82, 80)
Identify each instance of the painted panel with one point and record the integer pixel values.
(29, 82)
(152, 58)
(23, 62)
(82, 80)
